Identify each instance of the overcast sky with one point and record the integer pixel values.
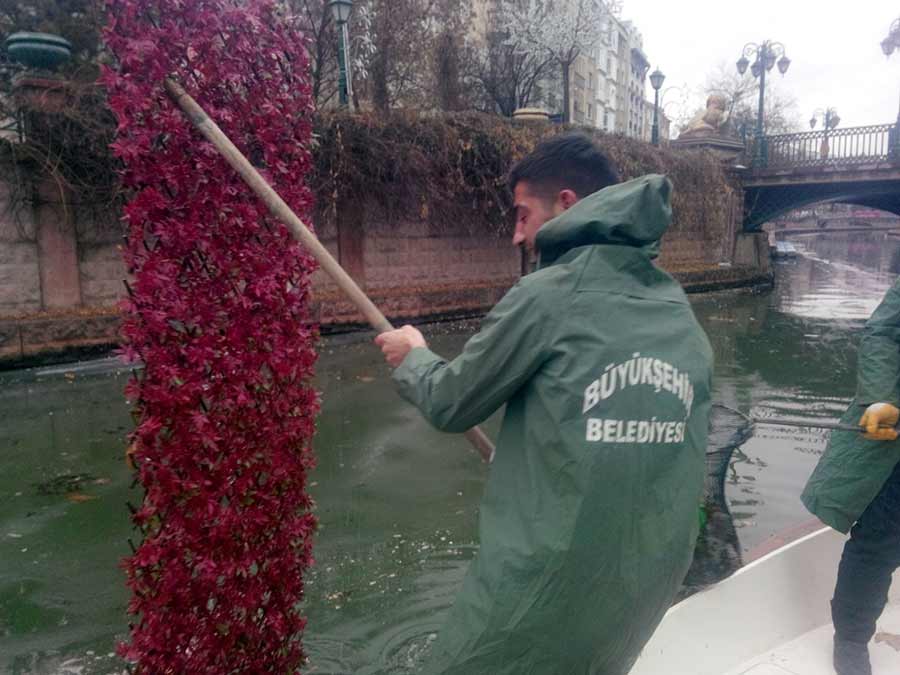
(834, 47)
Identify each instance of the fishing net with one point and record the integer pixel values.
(729, 429)
(718, 551)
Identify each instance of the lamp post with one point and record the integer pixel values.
(340, 10)
(830, 120)
(888, 45)
(765, 56)
(829, 117)
(656, 80)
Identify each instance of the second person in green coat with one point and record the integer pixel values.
(856, 488)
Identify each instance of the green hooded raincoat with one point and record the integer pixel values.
(589, 517)
(853, 470)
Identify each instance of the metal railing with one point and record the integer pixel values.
(835, 147)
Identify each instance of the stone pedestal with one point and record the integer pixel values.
(40, 92)
(728, 149)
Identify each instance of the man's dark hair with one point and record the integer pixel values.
(568, 161)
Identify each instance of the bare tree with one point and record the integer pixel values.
(447, 76)
(393, 66)
(742, 93)
(451, 53)
(677, 103)
(558, 30)
(506, 74)
(316, 22)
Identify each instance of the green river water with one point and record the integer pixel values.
(397, 501)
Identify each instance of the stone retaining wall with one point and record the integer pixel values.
(60, 279)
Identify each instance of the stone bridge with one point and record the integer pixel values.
(856, 165)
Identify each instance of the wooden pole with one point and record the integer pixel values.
(818, 425)
(303, 234)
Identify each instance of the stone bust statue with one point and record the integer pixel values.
(710, 122)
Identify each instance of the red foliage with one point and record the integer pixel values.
(218, 313)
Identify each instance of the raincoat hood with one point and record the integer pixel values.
(635, 213)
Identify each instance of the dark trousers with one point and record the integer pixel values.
(870, 558)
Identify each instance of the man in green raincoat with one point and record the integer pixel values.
(589, 518)
(857, 485)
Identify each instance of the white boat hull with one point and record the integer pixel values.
(772, 617)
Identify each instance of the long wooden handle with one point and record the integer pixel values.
(818, 425)
(283, 212)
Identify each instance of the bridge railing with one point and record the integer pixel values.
(835, 147)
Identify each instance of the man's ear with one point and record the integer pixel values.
(566, 198)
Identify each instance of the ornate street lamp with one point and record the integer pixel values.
(830, 120)
(765, 57)
(829, 117)
(340, 11)
(656, 80)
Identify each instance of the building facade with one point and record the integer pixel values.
(607, 86)
(633, 66)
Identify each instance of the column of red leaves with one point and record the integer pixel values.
(217, 310)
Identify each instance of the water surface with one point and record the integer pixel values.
(398, 501)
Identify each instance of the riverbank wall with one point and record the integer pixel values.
(425, 232)
(411, 275)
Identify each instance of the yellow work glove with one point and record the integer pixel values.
(879, 421)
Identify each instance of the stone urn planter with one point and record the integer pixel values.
(538, 115)
(38, 51)
(37, 86)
